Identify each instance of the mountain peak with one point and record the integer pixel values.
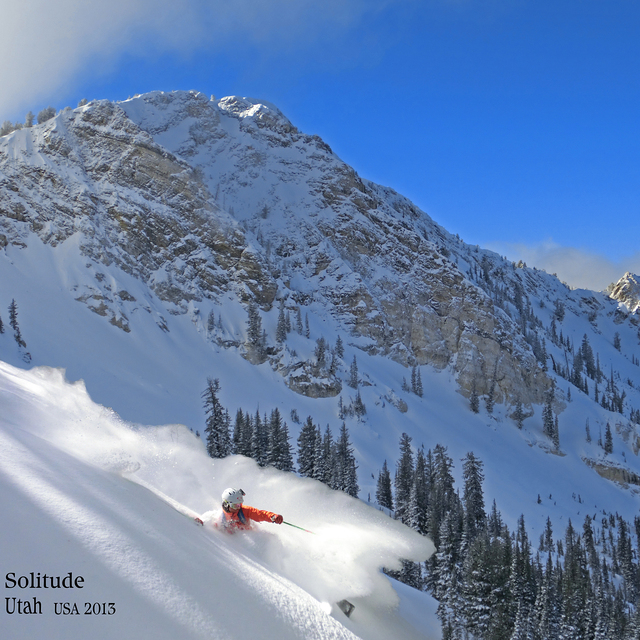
(626, 291)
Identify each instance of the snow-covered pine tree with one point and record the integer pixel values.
(518, 414)
(548, 426)
(608, 439)
(339, 350)
(260, 439)
(238, 431)
(419, 497)
(299, 321)
(443, 499)
(416, 381)
(404, 478)
(320, 353)
(419, 390)
(344, 464)
(281, 328)
(218, 438)
(254, 328)
(359, 407)
(384, 496)
(474, 400)
(475, 518)
(13, 323)
(353, 374)
(46, 114)
(279, 452)
(588, 357)
(323, 464)
(307, 445)
(547, 606)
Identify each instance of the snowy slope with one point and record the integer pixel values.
(71, 502)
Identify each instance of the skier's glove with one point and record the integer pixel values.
(198, 521)
(276, 519)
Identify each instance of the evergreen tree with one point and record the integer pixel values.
(419, 498)
(344, 463)
(260, 440)
(1, 326)
(518, 414)
(443, 499)
(307, 443)
(547, 415)
(419, 388)
(445, 577)
(211, 322)
(474, 400)
(299, 321)
(588, 357)
(547, 606)
(281, 328)
(323, 465)
(46, 114)
(13, 323)
(254, 328)
(353, 374)
(473, 499)
(556, 434)
(404, 478)
(617, 342)
(489, 401)
(416, 381)
(320, 353)
(246, 441)
(608, 439)
(384, 496)
(359, 407)
(339, 348)
(279, 452)
(217, 425)
(238, 432)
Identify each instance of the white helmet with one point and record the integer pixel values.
(232, 498)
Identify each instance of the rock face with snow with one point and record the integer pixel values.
(202, 199)
(627, 291)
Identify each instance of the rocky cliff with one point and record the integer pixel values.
(202, 198)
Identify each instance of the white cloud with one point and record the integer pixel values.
(577, 267)
(45, 45)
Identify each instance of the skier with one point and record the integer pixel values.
(236, 515)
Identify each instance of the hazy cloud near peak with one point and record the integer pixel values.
(46, 45)
(577, 267)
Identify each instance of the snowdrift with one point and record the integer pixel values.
(84, 492)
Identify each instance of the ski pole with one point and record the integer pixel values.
(297, 527)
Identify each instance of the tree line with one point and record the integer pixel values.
(492, 583)
(265, 438)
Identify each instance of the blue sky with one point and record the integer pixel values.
(513, 123)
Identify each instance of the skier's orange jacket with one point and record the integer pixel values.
(241, 519)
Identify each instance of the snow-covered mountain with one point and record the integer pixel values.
(136, 237)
